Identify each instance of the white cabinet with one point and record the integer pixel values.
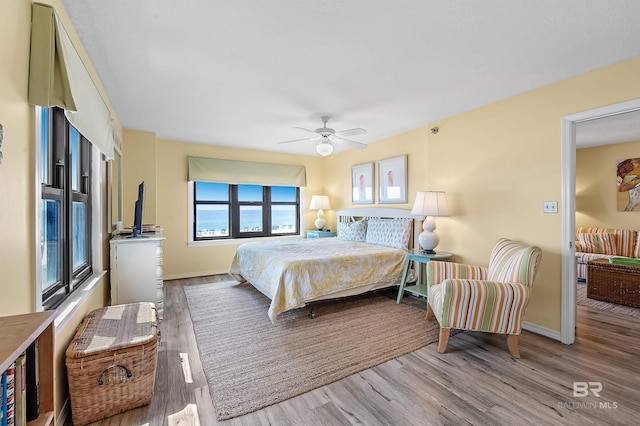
(136, 270)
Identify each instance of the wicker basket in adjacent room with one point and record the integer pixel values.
(613, 283)
(111, 362)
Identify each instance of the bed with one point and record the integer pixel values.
(368, 254)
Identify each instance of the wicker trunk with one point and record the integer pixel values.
(613, 283)
(111, 362)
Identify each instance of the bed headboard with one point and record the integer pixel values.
(349, 215)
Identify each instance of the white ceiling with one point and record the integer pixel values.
(243, 73)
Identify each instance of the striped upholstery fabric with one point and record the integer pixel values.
(625, 239)
(438, 271)
(513, 263)
(490, 299)
(488, 306)
(598, 243)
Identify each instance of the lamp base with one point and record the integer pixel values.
(320, 222)
(428, 252)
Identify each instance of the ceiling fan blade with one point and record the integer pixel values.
(351, 132)
(298, 140)
(306, 130)
(351, 143)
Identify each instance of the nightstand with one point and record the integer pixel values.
(320, 234)
(420, 289)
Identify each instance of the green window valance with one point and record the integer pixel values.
(245, 172)
(58, 77)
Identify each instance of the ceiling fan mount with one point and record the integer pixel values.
(324, 129)
(326, 136)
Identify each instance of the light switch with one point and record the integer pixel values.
(550, 207)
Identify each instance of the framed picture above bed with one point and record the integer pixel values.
(362, 184)
(392, 180)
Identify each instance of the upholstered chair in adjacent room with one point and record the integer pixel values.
(491, 299)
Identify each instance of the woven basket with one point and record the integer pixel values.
(613, 283)
(111, 362)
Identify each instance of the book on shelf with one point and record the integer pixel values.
(10, 395)
(33, 382)
(21, 390)
(3, 399)
(146, 228)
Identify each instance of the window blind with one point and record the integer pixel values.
(58, 77)
(245, 172)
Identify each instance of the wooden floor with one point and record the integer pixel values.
(476, 382)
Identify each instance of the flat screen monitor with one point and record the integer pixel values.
(137, 217)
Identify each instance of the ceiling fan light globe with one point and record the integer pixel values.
(324, 148)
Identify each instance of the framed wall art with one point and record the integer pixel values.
(362, 184)
(628, 184)
(392, 180)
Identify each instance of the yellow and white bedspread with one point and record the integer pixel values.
(293, 272)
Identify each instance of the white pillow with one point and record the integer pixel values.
(389, 232)
(353, 231)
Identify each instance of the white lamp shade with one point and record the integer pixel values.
(324, 148)
(430, 203)
(320, 202)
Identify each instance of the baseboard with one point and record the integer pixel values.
(194, 274)
(547, 332)
(64, 413)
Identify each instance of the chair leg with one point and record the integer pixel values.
(512, 343)
(430, 315)
(444, 339)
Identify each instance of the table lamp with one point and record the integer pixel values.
(429, 204)
(319, 202)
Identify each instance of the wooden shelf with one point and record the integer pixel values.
(45, 419)
(17, 332)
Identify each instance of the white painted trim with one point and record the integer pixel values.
(568, 122)
(543, 331)
(568, 269)
(236, 241)
(77, 299)
(195, 274)
(97, 169)
(63, 415)
(37, 191)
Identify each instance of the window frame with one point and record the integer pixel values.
(234, 214)
(56, 184)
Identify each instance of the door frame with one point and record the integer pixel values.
(568, 158)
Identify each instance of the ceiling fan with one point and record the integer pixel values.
(326, 137)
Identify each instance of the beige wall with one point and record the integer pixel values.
(139, 164)
(179, 259)
(498, 164)
(17, 179)
(162, 164)
(596, 190)
(17, 250)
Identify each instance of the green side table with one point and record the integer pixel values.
(420, 289)
(320, 234)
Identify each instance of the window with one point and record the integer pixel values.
(223, 210)
(65, 212)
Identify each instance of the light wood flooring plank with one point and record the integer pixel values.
(475, 382)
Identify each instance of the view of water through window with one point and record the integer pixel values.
(212, 220)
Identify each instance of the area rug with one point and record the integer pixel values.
(604, 306)
(251, 363)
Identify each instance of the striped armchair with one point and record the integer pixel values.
(478, 298)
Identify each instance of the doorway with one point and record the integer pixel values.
(568, 159)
